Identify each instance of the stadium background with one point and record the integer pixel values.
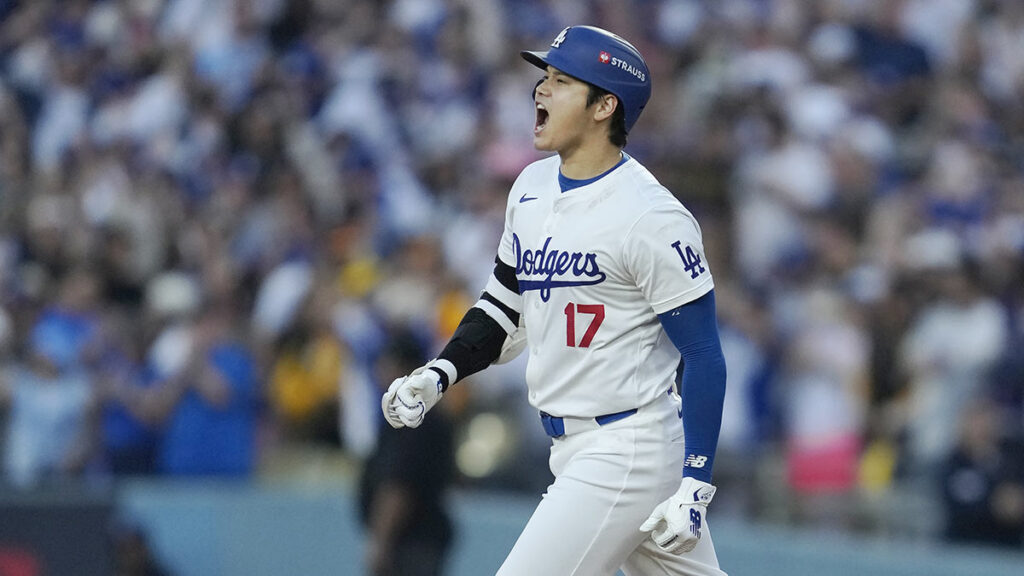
(296, 184)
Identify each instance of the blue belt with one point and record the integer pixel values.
(555, 425)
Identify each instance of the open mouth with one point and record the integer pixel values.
(542, 119)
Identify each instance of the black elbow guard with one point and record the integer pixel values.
(476, 344)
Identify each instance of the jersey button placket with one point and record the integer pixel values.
(551, 222)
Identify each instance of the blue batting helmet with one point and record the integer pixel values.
(603, 59)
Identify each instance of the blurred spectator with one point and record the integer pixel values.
(52, 431)
(309, 361)
(131, 430)
(409, 290)
(212, 423)
(983, 482)
(947, 353)
(749, 416)
(825, 403)
(70, 325)
(404, 482)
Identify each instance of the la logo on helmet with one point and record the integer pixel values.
(560, 38)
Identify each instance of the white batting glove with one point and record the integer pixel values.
(675, 525)
(409, 398)
(387, 401)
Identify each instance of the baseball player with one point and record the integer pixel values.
(601, 275)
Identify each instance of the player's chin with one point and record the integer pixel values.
(542, 134)
(542, 143)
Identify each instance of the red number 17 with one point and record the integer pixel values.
(597, 310)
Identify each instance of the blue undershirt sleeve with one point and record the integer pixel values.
(693, 329)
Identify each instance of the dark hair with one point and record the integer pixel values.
(617, 130)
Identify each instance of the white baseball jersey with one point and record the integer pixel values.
(595, 266)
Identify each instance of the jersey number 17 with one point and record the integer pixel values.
(571, 309)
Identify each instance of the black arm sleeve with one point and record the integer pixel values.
(475, 345)
(506, 275)
(500, 298)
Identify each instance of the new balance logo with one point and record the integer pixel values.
(694, 461)
(525, 198)
(695, 523)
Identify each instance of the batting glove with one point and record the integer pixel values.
(675, 525)
(409, 398)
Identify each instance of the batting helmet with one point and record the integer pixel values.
(603, 59)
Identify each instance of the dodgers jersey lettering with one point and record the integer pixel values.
(595, 266)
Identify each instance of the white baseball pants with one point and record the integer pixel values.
(608, 480)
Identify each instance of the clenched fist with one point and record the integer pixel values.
(409, 398)
(675, 525)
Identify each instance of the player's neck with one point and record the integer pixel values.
(590, 160)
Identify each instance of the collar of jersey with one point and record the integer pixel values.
(566, 183)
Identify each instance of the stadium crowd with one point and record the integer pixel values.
(214, 214)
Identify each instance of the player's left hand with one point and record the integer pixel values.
(675, 525)
(409, 398)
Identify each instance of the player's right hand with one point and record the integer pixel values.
(409, 398)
